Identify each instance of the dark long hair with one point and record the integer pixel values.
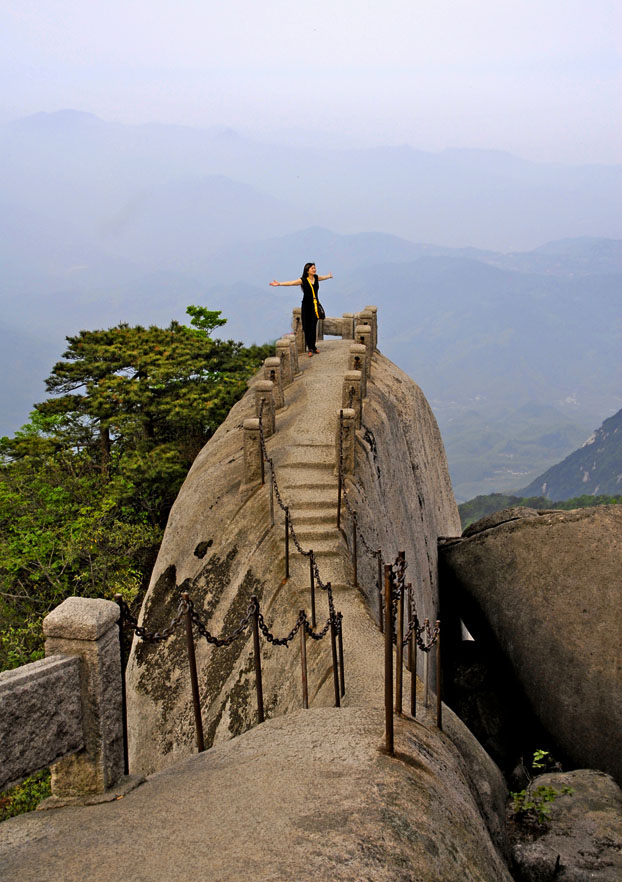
(305, 272)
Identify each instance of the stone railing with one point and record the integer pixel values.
(280, 371)
(66, 710)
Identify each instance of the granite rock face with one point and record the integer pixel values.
(545, 589)
(583, 839)
(220, 546)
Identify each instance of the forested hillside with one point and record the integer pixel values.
(87, 484)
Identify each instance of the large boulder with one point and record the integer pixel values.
(582, 840)
(545, 588)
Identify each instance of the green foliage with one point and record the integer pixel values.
(26, 796)
(86, 486)
(532, 806)
(480, 506)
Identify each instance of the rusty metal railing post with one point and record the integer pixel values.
(439, 679)
(271, 495)
(340, 642)
(354, 549)
(426, 670)
(412, 655)
(333, 645)
(399, 654)
(312, 581)
(287, 543)
(340, 470)
(388, 661)
(303, 662)
(257, 654)
(194, 680)
(126, 762)
(380, 615)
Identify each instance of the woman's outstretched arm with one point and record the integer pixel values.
(323, 278)
(274, 283)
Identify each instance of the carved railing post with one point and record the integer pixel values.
(374, 324)
(347, 326)
(264, 391)
(284, 353)
(357, 361)
(272, 371)
(351, 394)
(252, 453)
(294, 352)
(347, 440)
(297, 328)
(88, 628)
(362, 335)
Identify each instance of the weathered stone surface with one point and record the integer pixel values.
(332, 327)
(99, 764)
(40, 716)
(499, 517)
(306, 797)
(583, 840)
(81, 618)
(547, 590)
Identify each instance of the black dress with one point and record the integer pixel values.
(309, 312)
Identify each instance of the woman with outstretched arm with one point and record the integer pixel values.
(310, 284)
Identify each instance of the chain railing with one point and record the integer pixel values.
(254, 620)
(391, 603)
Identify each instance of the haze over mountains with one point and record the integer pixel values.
(518, 352)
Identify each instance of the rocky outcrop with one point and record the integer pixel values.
(545, 590)
(582, 839)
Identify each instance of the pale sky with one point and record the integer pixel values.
(540, 78)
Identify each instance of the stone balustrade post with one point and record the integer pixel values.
(252, 453)
(347, 326)
(348, 439)
(357, 361)
(352, 390)
(294, 351)
(362, 335)
(297, 328)
(264, 389)
(88, 629)
(272, 371)
(284, 352)
(374, 324)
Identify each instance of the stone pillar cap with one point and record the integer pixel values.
(81, 618)
(297, 309)
(348, 412)
(264, 386)
(273, 361)
(363, 329)
(353, 375)
(371, 309)
(251, 423)
(358, 347)
(284, 341)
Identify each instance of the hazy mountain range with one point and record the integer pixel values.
(518, 351)
(592, 470)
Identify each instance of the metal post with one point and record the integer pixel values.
(426, 675)
(287, 543)
(341, 668)
(312, 580)
(380, 615)
(261, 450)
(333, 645)
(399, 655)
(354, 550)
(388, 661)
(340, 479)
(257, 653)
(412, 655)
(303, 662)
(439, 680)
(126, 761)
(194, 680)
(271, 496)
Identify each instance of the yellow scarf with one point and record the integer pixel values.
(317, 314)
